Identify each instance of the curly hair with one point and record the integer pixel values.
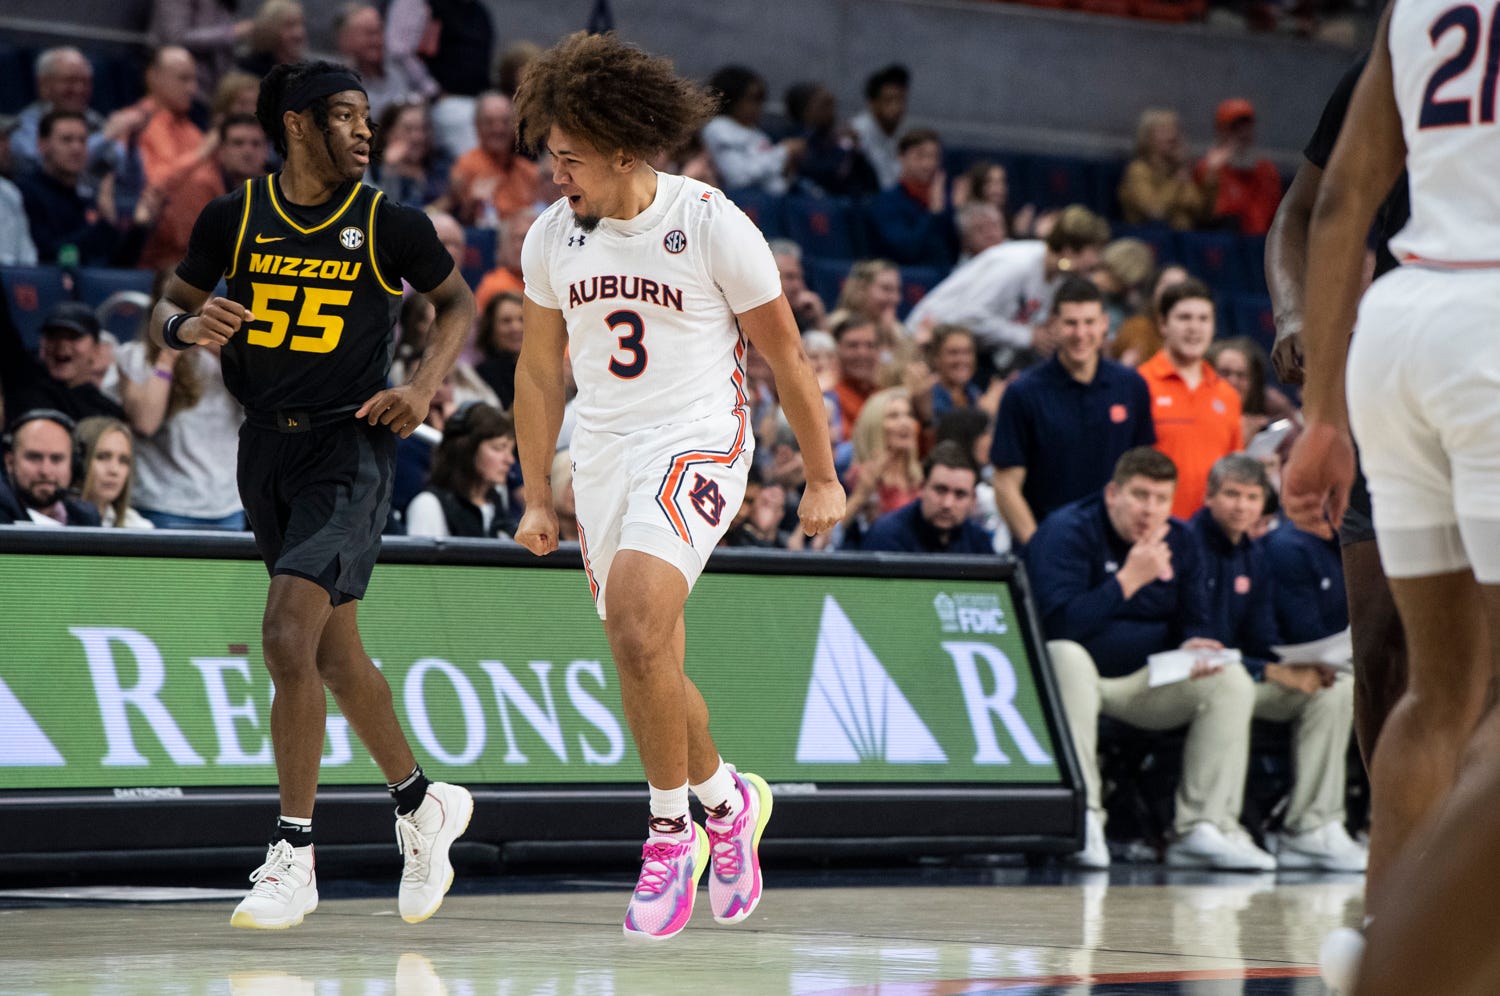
(610, 94)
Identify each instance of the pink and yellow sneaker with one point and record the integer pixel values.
(734, 888)
(663, 900)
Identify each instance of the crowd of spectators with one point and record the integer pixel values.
(1007, 406)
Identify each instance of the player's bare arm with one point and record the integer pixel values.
(773, 331)
(1366, 161)
(538, 411)
(405, 407)
(214, 319)
(1286, 268)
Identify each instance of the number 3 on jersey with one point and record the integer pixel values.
(265, 308)
(630, 342)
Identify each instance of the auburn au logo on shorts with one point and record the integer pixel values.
(707, 500)
(676, 241)
(351, 238)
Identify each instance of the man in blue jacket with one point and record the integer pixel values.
(1317, 700)
(1116, 579)
(939, 520)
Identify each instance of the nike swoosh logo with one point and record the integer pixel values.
(261, 239)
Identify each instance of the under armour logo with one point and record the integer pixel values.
(575, 240)
(706, 499)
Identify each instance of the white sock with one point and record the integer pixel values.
(669, 813)
(719, 795)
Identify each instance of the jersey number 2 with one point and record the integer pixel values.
(312, 317)
(1459, 110)
(629, 341)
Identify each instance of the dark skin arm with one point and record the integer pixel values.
(1368, 158)
(404, 408)
(1286, 267)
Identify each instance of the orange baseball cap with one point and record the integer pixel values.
(1233, 111)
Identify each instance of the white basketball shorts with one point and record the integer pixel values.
(670, 492)
(1424, 404)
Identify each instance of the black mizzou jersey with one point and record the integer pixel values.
(322, 285)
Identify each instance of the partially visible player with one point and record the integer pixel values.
(656, 285)
(1423, 397)
(314, 261)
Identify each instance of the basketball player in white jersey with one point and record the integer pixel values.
(654, 283)
(1423, 399)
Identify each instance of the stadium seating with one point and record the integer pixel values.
(823, 226)
(32, 291)
(479, 254)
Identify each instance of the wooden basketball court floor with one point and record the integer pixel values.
(908, 932)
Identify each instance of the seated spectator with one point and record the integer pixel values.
(501, 332)
(1004, 294)
(1308, 584)
(506, 277)
(359, 36)
(761, 527)
(1243, 364)
(873, 290)
(807, 307)
(910, 221)
(1197, 414)
(1242, 190)
(187, 425)
(564, 501)
(691, 159)
(939, 520)
(971, 429)
(491, 182)
(980, 226)
(1116, 579)
(68, 227)
(466, 495)
(65, 82)
(406, 165)
(1314, 698)
(1064, 424)
(886, 471)
(278, 36)
(823, 353)
(236, 93)
(39, 472)
(952, 355)
(859, 365)
(878, 127)
(510, 67)
(239, 154)
(743, 153)
(416, 320)
(1123, 276)
(1139, 337)
(1158, 185)
(62, 374)
(108, 452)
(207, 28)
(171, 146)
(16, 245)
(987, 182)
(833, 163)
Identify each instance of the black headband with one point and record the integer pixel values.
(322, 84)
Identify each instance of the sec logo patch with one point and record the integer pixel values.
(351, 238)
(675, 242)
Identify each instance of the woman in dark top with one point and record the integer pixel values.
(466, 495)
(500, 331)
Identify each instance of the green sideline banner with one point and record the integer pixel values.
(135, 672)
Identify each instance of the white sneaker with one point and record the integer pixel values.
(285, 890)
(1338, 959)
(1328, 848)
(1206, 846)
(424, 835)
(1260, 859)
(1095, 853)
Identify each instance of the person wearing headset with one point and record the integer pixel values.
(39, 469)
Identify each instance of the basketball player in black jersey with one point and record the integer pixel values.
(314, 262)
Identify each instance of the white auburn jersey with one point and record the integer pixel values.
(1446, 93)
(650, 304)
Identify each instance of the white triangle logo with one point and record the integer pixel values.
(854, 710)
(22, 742)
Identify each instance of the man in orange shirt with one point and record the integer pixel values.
(1242, 187)
(492, 175)
(171, 146)
(240, 154)
(1197, 414)
(506, 276)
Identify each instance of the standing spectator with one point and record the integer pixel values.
(887, 470)
(61, 376)
(62, 218)
(170, 145)
(1197, 414)
(278, 36)
(359, 36)
(742, 151)
(207, 28)
(1063, 425)
(1116, 579)
(39, 471)
(939, 520)
(1314, 698)
(1158, 185)
(16, 246)
(406, 164)
(1243, 365)
(491, 182)
(807, 306)
(1139, 337)
(910, 221)
(833, 163)
(466, 495)
(108, 452)
(1004, 294)
(878, 126)
(187, 425)
(237, 154)
(859, 365)
(501, 331)
(1241, 190)
(506, 277)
